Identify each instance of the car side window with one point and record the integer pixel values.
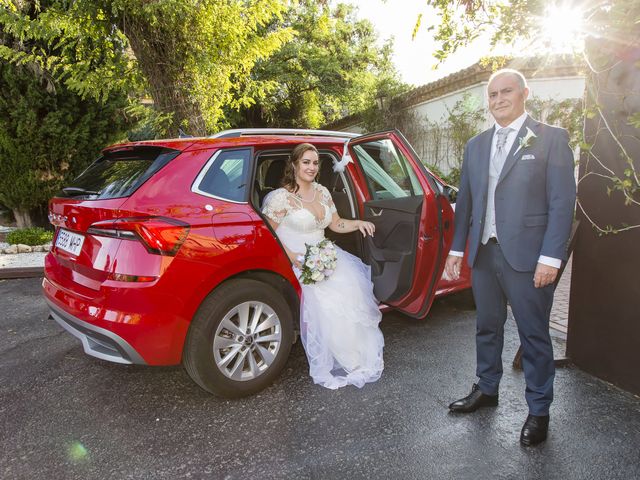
(388, 172)
(226, 175)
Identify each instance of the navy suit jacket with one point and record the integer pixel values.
(534, 199)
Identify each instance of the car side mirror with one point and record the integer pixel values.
(451, 193)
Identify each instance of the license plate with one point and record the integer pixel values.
(69, 242)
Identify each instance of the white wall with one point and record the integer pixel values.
(435, 110)
(558, 88)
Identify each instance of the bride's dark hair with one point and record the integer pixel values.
(289, 177)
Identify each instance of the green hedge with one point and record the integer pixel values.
(29, 236)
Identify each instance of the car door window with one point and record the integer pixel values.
(387, 170)
(225, 175)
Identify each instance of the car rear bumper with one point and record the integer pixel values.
(124, 325)
(96, 341)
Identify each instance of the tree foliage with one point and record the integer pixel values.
(330, 68)
(461, 22)
(193, 56)
(612, 33)
(46, 137)
(568, 114)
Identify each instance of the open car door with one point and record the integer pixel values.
(406, 253)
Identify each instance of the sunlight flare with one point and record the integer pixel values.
(563, 28)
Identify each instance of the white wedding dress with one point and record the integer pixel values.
(339, 315)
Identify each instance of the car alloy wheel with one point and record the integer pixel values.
(247, 340)
(239, 339)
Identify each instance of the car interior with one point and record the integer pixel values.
(269, 173)
(395, 209)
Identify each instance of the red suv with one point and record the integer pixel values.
(162, 256)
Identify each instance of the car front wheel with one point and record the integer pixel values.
(239, 339)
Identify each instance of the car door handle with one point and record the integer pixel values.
(376, 214)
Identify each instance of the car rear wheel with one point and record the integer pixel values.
(239, 339)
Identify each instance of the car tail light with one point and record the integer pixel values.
(121, 277)
(159, 235)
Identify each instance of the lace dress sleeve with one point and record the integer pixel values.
(276, 205)
(326, 198)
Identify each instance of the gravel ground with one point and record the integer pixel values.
(22, 260)
(35, 259)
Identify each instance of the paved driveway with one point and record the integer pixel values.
(65, 415)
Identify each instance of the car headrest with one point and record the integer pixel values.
(274, 174)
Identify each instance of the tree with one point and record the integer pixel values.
(46, 137)
(330, 68)
(616, 22)
(463, 21)
(194, 56)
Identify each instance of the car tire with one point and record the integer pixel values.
(239, 339)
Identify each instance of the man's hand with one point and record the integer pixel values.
(452, 267)
(544, 275)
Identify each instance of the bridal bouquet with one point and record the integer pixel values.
(319, 262)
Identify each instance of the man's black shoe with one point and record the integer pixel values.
(534, 430)
(474, 401)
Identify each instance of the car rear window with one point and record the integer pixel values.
(118, 173)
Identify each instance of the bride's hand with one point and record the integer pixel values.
(366, 228)
(296, 259)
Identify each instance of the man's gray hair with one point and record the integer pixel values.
(519, 76)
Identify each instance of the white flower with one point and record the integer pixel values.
(319, 262)
(526, 140)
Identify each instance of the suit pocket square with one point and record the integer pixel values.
(528, 156)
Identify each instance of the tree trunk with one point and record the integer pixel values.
(23, 217)
(605, 292)
(163, 70)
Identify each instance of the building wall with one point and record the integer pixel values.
(559, 88)
(436, 110)
(444, 154)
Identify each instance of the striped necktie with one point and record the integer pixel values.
(500, 155)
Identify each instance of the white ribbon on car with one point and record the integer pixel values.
(346, 159)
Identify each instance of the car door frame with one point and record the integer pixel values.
(417, 302)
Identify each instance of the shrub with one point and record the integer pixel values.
(453, 177)
(29, 236)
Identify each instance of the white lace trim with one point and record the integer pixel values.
(281, 203)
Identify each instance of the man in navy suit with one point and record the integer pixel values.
(514, 208)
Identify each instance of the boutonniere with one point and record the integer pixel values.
(526, 140)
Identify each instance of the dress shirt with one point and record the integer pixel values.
(511, 137)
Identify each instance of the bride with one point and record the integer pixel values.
(339, 315)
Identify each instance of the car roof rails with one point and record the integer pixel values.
(245, 132)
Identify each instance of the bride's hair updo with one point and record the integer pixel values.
(289, 178)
